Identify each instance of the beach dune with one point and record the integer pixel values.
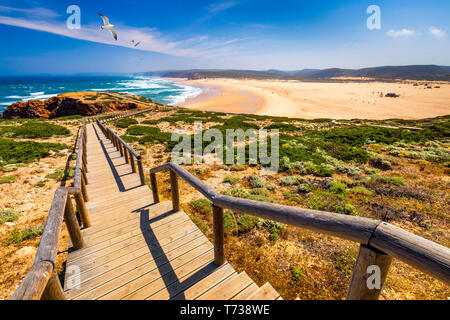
(311, 100)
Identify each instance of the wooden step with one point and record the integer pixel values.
(266, 292)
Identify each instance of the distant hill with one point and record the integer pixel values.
(413, 72)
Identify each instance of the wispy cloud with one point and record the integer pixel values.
(404, 33)
(220, 7)
(437, 33)
(33, 12)
(151, 39)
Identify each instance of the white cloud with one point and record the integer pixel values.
(437, 33)
(151, 39)
(219, 7)
(404, 33)
(33, 12)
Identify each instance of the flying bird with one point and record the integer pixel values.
(108, 26)
(135, 43)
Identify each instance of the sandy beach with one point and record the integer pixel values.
(312, 100)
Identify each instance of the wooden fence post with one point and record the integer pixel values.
(219, 251)
(72, 225)
(141, 171)
(175, 191)
(81, 206)
(84, 190)
(53, 290)
(133, 165)
(154, 185)
(372, 266)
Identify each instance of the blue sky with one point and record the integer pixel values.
(239, 34)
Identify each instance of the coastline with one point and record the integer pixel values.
(314, 100)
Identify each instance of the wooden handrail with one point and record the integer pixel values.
(42, 282)
(125, 149)
(379, 240)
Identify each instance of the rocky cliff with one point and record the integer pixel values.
(84, 104)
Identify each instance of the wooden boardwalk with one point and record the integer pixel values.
(136, 249)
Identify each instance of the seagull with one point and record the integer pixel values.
(136, 44)
(108, 26)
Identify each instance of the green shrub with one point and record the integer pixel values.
(361, 191)
(290, 180)
(200, 224)
(18, 237)
(61, 175)
(238, 167)
(7, 179)
(304, 188)
(379, 179)
(257, 182)
(338, 187)
(202, 206)
(246, 223)
(129, 139)
(231, 180)
(238, 192)
(125, 122)
(271, 187)
(260, 192)
(345, 208)
(230, 223)
(8, 216)
(34, 130)
(25, 151)
(298, 274)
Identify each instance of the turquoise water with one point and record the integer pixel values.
(14, 89)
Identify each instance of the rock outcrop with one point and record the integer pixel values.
(66, 105)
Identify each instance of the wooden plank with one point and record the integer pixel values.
(202, 286)
(244, 294)
(122, 242)
(133, 230)
(228, 288)
(167, 274)
(127, 268)
(266, 292)
(178, 288)
(137, 250)
(119, 287)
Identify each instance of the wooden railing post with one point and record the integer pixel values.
(84, 190)
(175, 191)
(53, 290)
(133, 165)
(72, 225)
(81, 206)
(141, 171)
(127, 160)
(219, 251)
(154, 185)
(369, 273)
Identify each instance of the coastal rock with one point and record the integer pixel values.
(65, 105)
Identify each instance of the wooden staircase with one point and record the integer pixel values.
(136, 249)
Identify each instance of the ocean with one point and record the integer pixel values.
(22, 89)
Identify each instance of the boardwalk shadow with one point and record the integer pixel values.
(172, 284)
(117, 177)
